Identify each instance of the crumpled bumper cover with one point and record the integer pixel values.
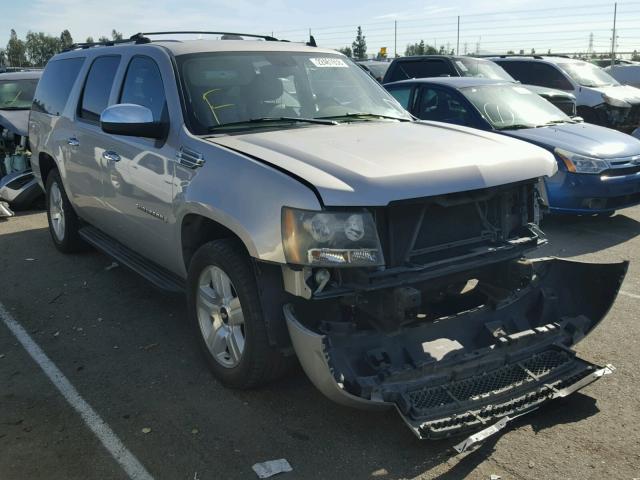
(470, 389)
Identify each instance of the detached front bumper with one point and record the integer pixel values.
(465, 372)
(588, 194)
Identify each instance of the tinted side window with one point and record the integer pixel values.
(442, 106)
(518, 70)
(55, 85)
(402, 95)
(98, 87)
(143, 86)
(549, 76)
(426, 68)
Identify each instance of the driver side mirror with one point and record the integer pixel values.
(131, 120)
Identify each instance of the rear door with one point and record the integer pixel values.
(86, 158)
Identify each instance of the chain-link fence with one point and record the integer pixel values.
(583, 30)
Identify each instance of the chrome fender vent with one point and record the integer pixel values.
(189, 158)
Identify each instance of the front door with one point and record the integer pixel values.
(138, 172)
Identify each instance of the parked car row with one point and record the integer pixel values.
(305, 213)
(598, 168)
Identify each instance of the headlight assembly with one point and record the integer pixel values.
(330, 239)
(581, 164)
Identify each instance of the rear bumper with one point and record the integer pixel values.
(462, 374)
(588, 194)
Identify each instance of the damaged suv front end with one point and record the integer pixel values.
(429, 305)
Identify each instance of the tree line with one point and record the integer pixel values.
(358, 49)
(38, 47)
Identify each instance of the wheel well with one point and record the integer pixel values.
(198, 230)
(47, 163)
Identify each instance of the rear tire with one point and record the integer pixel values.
(63, 221)
(227, 317)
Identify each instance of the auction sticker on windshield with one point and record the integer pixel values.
(329, 62)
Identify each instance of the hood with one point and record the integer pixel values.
(619, 92)
(374, 163)
(582, 138)
(16, 121)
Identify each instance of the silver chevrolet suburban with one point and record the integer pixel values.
(306, 214)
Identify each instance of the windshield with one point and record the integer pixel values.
(587, 74)
(508, 107)
(17, 94)
(232, 89)
(473, 67)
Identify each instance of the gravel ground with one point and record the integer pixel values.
(130, 354)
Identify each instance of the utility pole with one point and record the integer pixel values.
(613, 37)
(590, 49)
(395, 39)
(458, 38)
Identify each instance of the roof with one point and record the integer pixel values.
(455, 82)
(537, 58)
(25, 75)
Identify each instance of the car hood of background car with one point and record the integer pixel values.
(374, 163)
(16, 121)
(582, 138)
(626, 93)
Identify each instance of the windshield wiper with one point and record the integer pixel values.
(516, 126)
(557, 122)
(272, 120)
(14, 108)
(366, 115)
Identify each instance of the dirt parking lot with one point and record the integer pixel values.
(130, 355)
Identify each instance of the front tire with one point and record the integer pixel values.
(63, 221)
(226, 314)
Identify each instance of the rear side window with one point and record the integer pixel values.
(143, 86)
(55, 85)
(536, 73)
(421, 69)
(97, 88)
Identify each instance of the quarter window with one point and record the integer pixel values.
(97, 88)
(402, 95)
(143, 86)
(55, 85)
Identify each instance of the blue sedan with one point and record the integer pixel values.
(598, 168)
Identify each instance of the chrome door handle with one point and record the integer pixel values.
(73, 141)
(111, 156)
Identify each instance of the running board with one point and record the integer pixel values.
(158, 276)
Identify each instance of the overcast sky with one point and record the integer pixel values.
(496, 26)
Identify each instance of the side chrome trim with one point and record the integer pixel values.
(189, 158)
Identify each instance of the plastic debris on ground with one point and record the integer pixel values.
(271, 467)
(494, 477)
(5, 211)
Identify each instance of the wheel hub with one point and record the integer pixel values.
(220, 317)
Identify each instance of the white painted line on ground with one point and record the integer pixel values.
(630, 295)
(111, 442)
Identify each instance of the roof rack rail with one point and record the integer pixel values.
(143, 37)
(109, 43)
(531, 55)
(267, 38)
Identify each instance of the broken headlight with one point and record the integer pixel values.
(330, 239)
(577, 163)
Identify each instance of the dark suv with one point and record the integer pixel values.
(461, 66)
